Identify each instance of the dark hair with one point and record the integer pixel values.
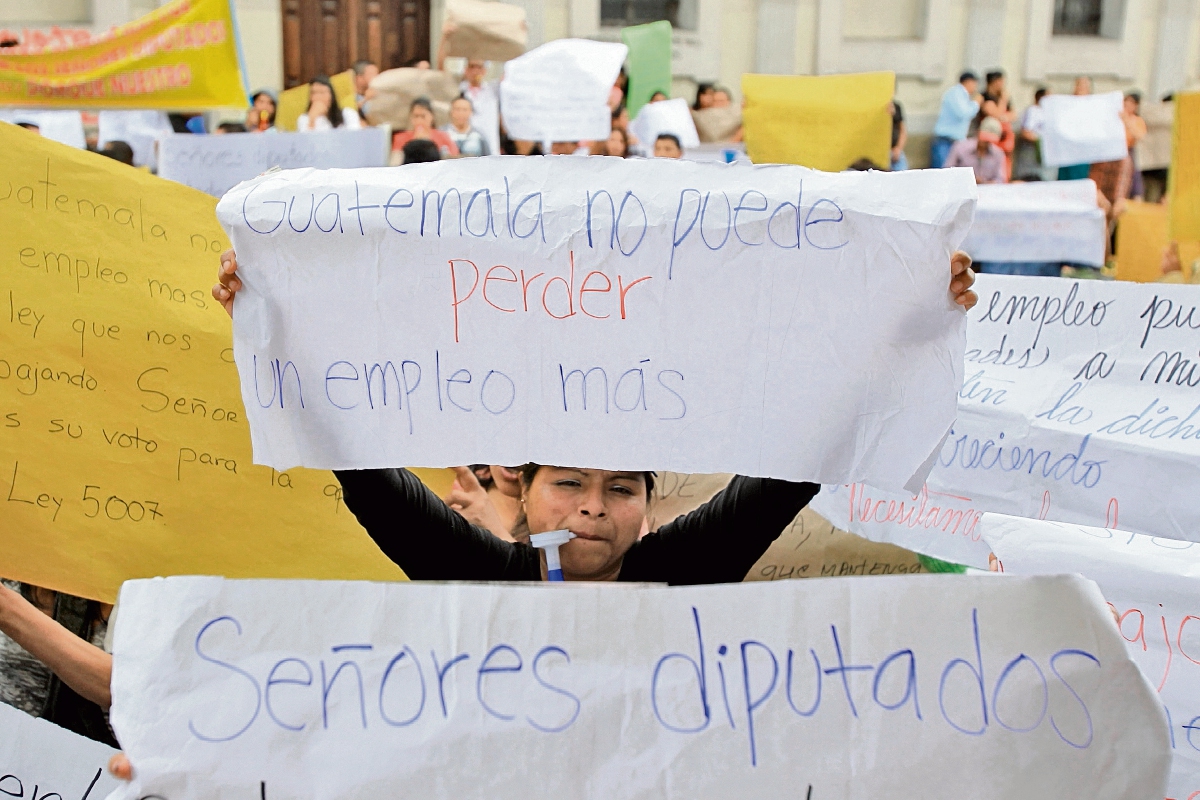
(702, 88)
(486, 482)
(1134, 96)
(418, 151)
(1041, 92)
(968, 76)
(528, 471)
(423, 102)
(657, 93)
(462, 96)
(865, 165)
(670, 137)
(624, 141)
(118, 151)
(232, 127)
(994, 76)
(335, 111)
(30, 126)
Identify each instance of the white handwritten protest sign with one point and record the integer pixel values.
(1054, 221)
(1080, 404)
(755, 690)
(1084, 129)
(618, 314)
(60, 125)
(559, 91)
(1154, 586)
(215, 164)
(665, 116)
(39, 760)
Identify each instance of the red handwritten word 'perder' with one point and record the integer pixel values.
(594, 295)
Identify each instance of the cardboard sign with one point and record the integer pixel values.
(1054, 221)
(124, 449)
(485, 29)
(559, 92)
(182, 56)
(1154, 587)
(1079, 405)
(215, 164)
(395, 90)
(39, 760)
(670, 301)
(633, 692)
(1083, 129)
(821, 121)
(717, 124)
(1184, 176)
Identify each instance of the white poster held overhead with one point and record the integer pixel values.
(62, 126)
(1154, 586)
(39, 760)
(665, 116)
(1053, 221)
(618, 314)
(754, 690)
(558, 92)
(215, 164)
(138, 129)
(1084, 129)
(1080, 405)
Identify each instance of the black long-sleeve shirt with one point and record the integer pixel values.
(717, 543)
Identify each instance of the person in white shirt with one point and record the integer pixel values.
(484, 97)
(470, 141)
(323, 112)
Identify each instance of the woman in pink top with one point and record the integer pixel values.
(420, 126)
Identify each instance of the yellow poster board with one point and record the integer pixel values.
(1142, 238)
(183, 56)
(294, 102)
(1184, 175)
(124, 448)
(826, 122)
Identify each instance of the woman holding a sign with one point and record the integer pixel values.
(603, 510)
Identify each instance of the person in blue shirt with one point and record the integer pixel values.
(960, 104)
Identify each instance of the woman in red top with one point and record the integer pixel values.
(420, 126)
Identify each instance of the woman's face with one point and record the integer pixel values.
(319, 93)
(460, 113)
(419, 117)
(616, 143)
(263, 102)
(705, 99)
(605, 510)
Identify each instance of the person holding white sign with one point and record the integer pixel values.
(604, 510)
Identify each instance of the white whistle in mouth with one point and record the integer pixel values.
(549, 543)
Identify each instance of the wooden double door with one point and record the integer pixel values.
(324, 37)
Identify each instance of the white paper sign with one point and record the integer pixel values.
(40, 761)
(1052, 221)
(138, 129)
(62, 126)
(559, 92)
(665, 116)
(1083, 129)
(772, 321)
(1154, 586)
(217, 163)
(1081, 404)
(757, 690)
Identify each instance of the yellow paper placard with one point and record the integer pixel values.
(182, 56)
(124, 448)
(826, 122)
(1184, 175)
(1141, 240)
(294, 102)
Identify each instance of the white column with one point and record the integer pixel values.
(106, 13)
(775, 42)
(985, 34)
(1175, 25)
